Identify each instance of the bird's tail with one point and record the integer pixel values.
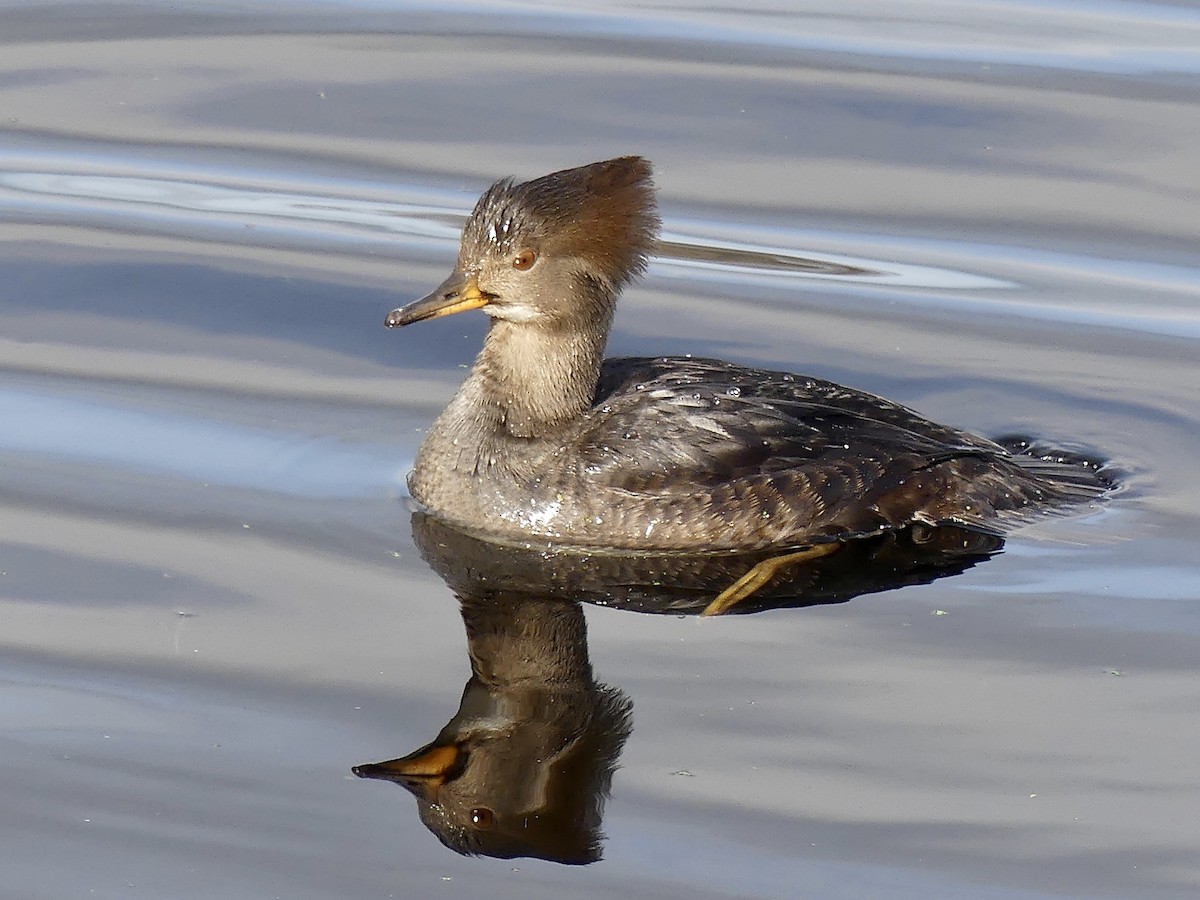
(1070, 474)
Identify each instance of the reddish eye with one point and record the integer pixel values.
(524, 260)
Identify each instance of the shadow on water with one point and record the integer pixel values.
(524, 766)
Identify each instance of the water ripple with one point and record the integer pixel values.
(205, 451)
(208, 206)
(331, 216)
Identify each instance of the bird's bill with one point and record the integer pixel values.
(422, 772)
(431, 761)
(458, 293)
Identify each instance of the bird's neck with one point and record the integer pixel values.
(533, 381)
(529, 384)
(517, 640)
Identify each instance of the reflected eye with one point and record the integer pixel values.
(483, 818)
(524, 260)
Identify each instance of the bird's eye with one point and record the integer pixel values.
(483, 818)
(524, 260)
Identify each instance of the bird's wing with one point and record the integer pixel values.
(661, 423)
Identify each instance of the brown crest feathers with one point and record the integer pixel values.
(603, 213)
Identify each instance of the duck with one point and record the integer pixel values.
(547, 441)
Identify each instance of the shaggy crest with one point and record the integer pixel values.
(603, 212)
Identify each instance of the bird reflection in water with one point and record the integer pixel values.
(524, 766)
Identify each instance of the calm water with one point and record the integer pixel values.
(213, 605)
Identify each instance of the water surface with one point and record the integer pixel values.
(213, 604)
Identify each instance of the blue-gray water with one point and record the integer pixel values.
(212, 605)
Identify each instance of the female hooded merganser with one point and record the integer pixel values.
(547, 440)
